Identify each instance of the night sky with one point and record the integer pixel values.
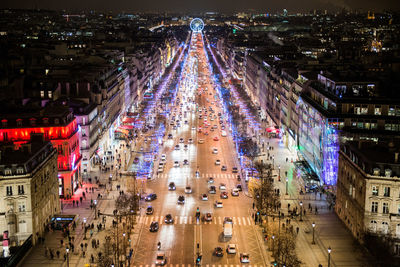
(203, 5)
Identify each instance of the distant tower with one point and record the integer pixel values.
(285, 12)
(371, 15)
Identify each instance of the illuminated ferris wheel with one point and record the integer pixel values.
(196, 25)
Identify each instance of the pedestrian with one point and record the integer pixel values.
(83, 194)
(93, 243)
(98, 243)
(73, 203)
(91, 258)
(65, 257)
(81, 246)
(61, 242)
(46, 251)
(51, 254)
(58, 254)
(91, 233)
(316, 210)
(80, 198)
(86, 245)
(297, 230)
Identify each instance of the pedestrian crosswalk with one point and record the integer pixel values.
(147, 220)
(204, 265)
(203, 175)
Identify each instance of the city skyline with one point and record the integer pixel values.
(206, 5)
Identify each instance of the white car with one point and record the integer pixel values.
(215, 151)
(235, 192)
(204, 197)
(218, 204)
(231, 249)
(222, 186)
(177, 147)
(163, 157)
(217, 162)
(193, 128)
(161, 259)
(223, 133)
(176, 164)
(190, 141)
(244, 258)
(181, 140)
(201, 141)
(188, 189)
(160, 169)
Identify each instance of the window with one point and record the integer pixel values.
(83, 121)
(385, 227)
(8, 171)
(21, 190)
(375, 190)
(19, 122)
(397, 249)
(385, 208)
(364, 109)
(374, 207)
(42, 94)
(392, 111)
(357, 110)
(21, 207)
(20, 170)
(50, 94)
(372, 226)
(59, 149)
(9, 190)
(386, 191)
(4, 123)
(33, 121)
(378, 110)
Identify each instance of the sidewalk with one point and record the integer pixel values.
(329, 230)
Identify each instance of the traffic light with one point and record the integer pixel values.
(234, 31)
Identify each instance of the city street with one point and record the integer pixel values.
(187, 236)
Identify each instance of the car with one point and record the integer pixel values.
(161, 259)
(186, 122)
(216, 138)
(223, 168)
(210, 180)
(215, 150)
(239, 187)
(231, 249)
(207, 217)
(244, 258)
(160, 169)
(151, 197)
(185, 147)
(177, 147)
(235, 192)
(223, 195)
(171, 186)
(168, 219)
(204, 197)
(188, 189)
(223, 133)
(185, 162)
(170, 136)
(154, 227)
(181, 200)
(211, 130)
(176, 163)
(218, 251)
(181, 140)
(201, 141)
(217, 162)
(136, 160)
(193, 128)
(174, 128)
(190, 141)
(222, 186)
(218, 204)
(163, 157)
(235, 170)
(212, 190)
(149, 210)
(205, 133)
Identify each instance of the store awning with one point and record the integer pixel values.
(129, 120)
(125, 127)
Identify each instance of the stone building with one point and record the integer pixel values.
(28, 189)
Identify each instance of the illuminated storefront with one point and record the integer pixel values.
(318, 142)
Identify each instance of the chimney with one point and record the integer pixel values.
(396, 157)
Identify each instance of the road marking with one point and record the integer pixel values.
(190, 220)
(238, 221)
(185, 220)
(231, 265)
(219, 220)
(188, 265)
(215, 221)
(237, 265)
(175, 221)
(226, 265)
(234, 220)
(219, 265)
(180, 220)
(248, 219)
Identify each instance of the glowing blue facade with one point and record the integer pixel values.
(318, 142)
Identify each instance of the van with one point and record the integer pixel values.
(223, 133)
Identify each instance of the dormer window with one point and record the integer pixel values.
(4, 123)
(8, 171)
(32, 121)
(19, 122)
(45, 121)
(56, 121)
(20, 170)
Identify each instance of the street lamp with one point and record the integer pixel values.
(67, 251)
(273, 242)
(329, 256)
(84, 225)
(95, 208)
(279, 176)
(313, 231)
(287, 181)
(301, 211)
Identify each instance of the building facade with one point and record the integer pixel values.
(28, 189)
